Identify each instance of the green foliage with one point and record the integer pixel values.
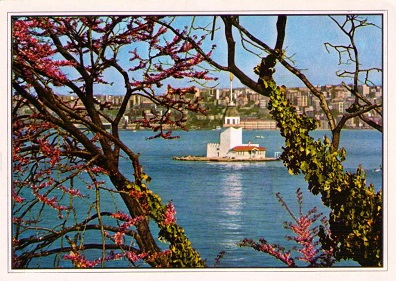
(356, 209)
(182, 254)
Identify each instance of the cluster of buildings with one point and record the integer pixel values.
(337, 97)
(339, 100)
(252, 107)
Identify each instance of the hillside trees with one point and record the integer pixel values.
(66, 162)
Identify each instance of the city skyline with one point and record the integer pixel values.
(215, 101)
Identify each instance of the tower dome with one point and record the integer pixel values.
(231, 111)
(231, 116)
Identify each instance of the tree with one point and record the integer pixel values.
(356, 209)
(60, 145)
(348, 56)
(57, 141)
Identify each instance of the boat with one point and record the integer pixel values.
(379, 169)
(260, 137)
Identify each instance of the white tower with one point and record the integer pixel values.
(231, 136)
(231, 116)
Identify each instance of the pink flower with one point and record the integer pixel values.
(80, 261)
(118, 238)
(16, 197)
(169, 215)
(136, 257)
(121, 216)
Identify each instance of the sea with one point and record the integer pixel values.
(220, 204)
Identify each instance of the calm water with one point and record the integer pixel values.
(219, 204)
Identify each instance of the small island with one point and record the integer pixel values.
(225, 159)
(230, 147)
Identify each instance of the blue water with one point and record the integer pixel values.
(219, 204)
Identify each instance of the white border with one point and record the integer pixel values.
(388, 8)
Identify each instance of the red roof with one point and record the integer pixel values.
(248, 148)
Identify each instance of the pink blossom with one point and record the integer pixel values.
(114, 256)
(128, 221)
(118, 238)
(136, 257)
(283, 256)
(51, 202)
(80, 261)
(306, 236)
(121, 216)
(16, 197)
(72, 191)
(169, 215)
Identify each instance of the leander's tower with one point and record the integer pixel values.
(231, 133)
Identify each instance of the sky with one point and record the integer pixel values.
(304, 43)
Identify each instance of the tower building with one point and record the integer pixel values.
(231, 145)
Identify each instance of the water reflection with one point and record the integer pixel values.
(231, 194)
(231, 191)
